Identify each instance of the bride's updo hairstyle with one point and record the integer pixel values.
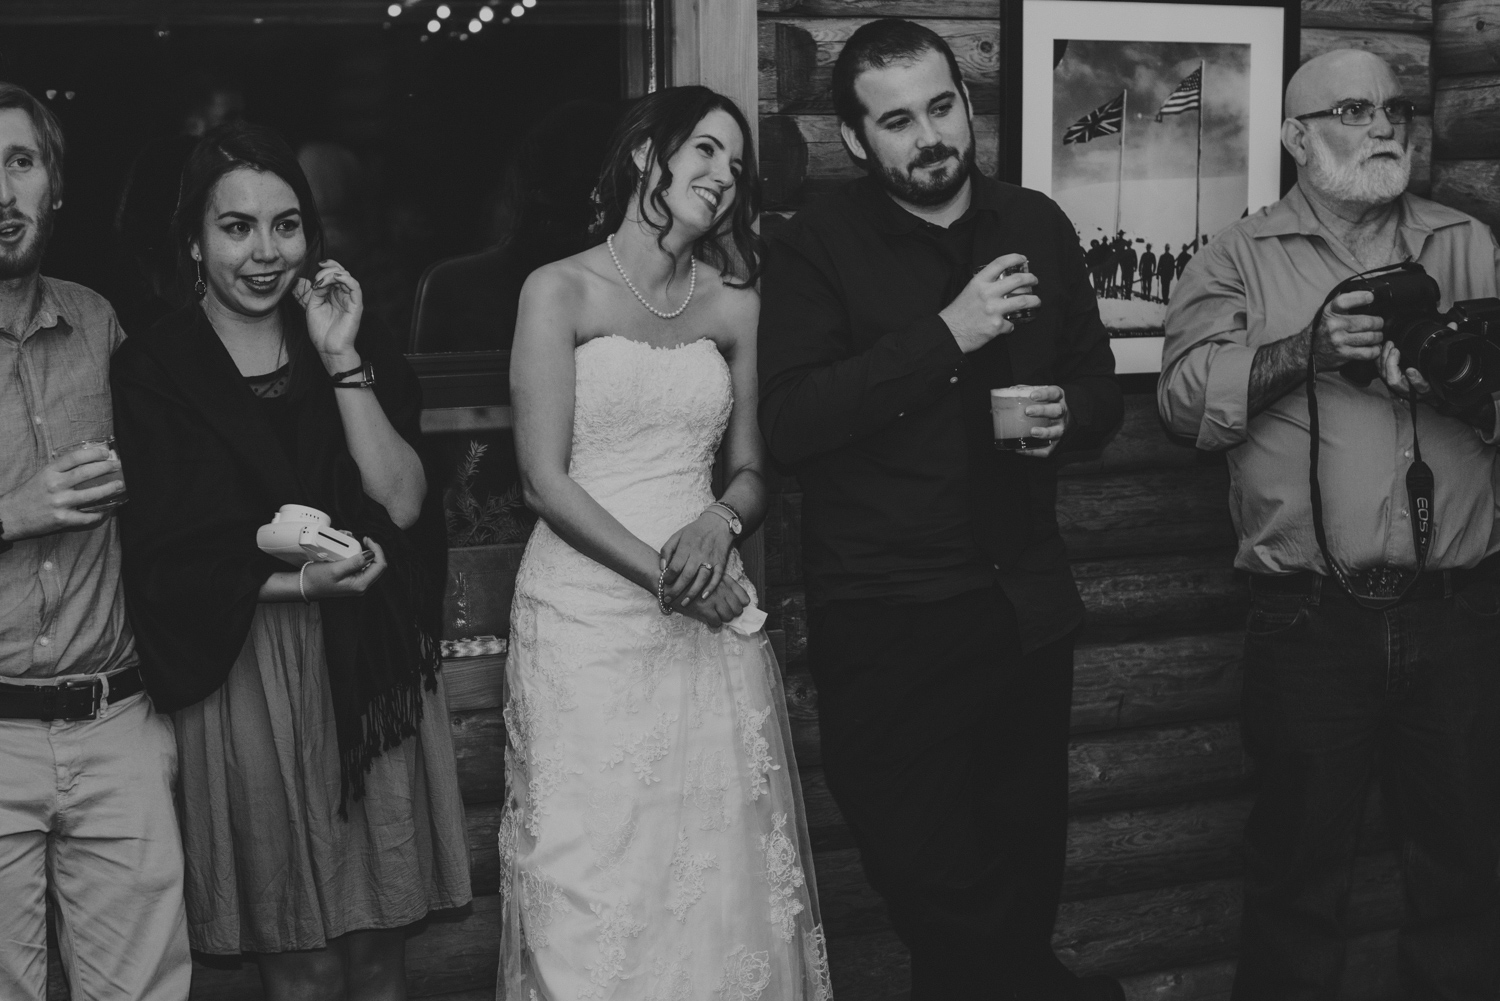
(663, 122)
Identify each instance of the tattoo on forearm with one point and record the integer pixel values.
(1276, 369)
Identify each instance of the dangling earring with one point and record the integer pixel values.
(200, 287)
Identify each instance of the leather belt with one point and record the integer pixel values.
(68, 701)
(1381, 582)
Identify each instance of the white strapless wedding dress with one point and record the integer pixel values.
(653, 847)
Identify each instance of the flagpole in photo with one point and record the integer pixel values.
(1189, 97)
(1120, 175)
(1198, 170)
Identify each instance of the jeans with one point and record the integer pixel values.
(946, 751)
(1337, 696)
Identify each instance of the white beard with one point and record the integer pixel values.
(1360, 179)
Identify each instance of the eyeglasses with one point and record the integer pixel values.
(1397, 112)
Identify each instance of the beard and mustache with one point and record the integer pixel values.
(902, 181)
(26, 259)
(1364, 178)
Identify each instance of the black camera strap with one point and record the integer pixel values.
(1420, 488)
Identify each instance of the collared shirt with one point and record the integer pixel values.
(866, 395)
(62, 610)
(1264, 279)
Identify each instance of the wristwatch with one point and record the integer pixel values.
(730, 515)
(365, 372)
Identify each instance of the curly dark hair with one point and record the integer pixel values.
(665, 120)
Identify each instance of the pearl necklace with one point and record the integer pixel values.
(609, 241)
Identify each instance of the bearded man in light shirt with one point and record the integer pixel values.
(1395, 676)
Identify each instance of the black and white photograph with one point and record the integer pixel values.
(1146, 205)
(713, 500)
(1155, 112)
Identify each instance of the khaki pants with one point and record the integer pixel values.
(87, 807)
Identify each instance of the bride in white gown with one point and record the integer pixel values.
(653, 847)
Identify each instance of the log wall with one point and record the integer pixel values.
(1466, 106)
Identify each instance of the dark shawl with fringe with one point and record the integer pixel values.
(206, 468)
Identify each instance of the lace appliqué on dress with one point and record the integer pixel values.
(706, 787)
(757, 748)
(815, 956)
(746, 975)
(784, 873)
(541, 899)
(670, 981)
(616, 924)
(610, 825)
(688, 884)
(644, 748)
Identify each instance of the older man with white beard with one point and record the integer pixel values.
(1391, 668)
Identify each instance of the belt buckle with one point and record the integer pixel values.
(1381, 582)
(100, 688)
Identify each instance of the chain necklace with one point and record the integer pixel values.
(609, 241)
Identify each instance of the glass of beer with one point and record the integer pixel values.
(109, 503)
(1012, 426)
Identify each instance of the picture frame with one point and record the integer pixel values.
(1153, 124)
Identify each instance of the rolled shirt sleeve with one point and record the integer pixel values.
(1204, 389)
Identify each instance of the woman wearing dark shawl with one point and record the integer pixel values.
(320, 802)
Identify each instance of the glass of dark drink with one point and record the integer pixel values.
(109, 503)
(1012, 426)
(1020, 315)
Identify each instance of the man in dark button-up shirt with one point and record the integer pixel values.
(884, 326)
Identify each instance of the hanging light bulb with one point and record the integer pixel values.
(486, 14)
(394, 10)
(444, 11)
(517, 10)
(434, 25)
(528, 3)
(475, 24)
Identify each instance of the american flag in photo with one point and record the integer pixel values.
(1187, 96)
(1102, 121)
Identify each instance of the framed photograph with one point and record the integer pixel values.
(1154, 125)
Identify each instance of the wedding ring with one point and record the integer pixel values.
(707, 566)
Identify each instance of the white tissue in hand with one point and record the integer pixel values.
(748, 622)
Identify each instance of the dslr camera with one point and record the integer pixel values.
(1457, 352)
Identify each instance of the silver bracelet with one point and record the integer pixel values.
(302, 582)
(661, 602)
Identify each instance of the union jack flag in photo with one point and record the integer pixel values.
(1102, 121)
(1187, 96)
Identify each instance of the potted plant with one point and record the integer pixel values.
(486, 536)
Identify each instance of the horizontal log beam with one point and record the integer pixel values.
(1196, 922)
(1371, 973)
(1466, 37)
(474, 682)
(1472, 186)
(1171, 764)
(1145, 513)
(1407, 53)
(1140, 444)
(1152, 682)
(1133, 598)
(1360, 14)
(1466, 118)
(796, 59)
(479, 746)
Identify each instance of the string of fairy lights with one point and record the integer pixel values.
(445, 18)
